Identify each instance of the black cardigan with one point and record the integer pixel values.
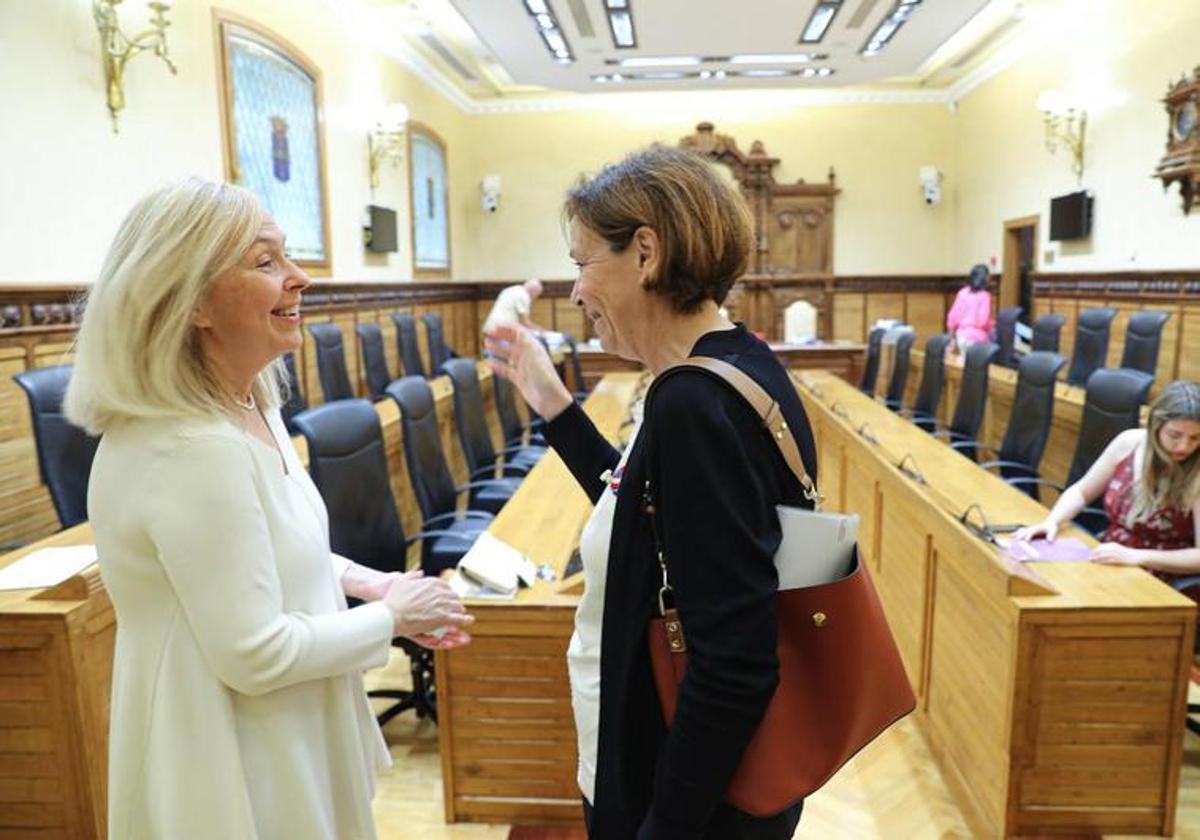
(717, 478)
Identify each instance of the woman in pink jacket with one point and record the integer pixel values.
(970, 318)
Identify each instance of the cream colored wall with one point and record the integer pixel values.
(1118, 57)
(68, 180)
(882, 223)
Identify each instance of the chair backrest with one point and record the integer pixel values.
(406, 340)
(370, 343)
(900, 363)
(1032, 409)
(933, 376)
(64, 451)
(1143, 335)
(439, 353)
(870, 374)
(1091, 343)
(576, 367)
(1006, 333)
(506, 409)
(1046, 330)
(432, 483)
(348, 464)
(296, 402)
(973, 391)
(331, 362)
(468, 414)
(1113, 404)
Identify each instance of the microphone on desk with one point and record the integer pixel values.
(864, 431)
(984, 529)
(840, 411)
(913, 471)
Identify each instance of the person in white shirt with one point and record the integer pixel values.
(238, 708)
(514, 305)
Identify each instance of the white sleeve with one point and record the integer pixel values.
(522, 302)
(340, 565)
(211, 535)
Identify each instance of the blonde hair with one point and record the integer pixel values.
(137, 352)
(1165, 483)
(705, 229)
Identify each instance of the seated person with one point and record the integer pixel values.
(1150, 481)
(514, 305)
(970, 317)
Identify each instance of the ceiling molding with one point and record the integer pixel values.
(1006, 57)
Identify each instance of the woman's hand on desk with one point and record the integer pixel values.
(1047, 529)
(420, 605)
(1115, 554)
(515, 353)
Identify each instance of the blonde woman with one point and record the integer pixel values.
(238, 709)
(1150, 481)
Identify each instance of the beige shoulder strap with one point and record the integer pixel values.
(769, 411)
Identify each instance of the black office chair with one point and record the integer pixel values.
(1112, 404)
(348, 465)
(370, 343)
(439, 351)
(581, 390)
(406, 341)
(972, 394)
(469, 418)
(331, 362)
(1143, 335)
(894, 398)
(432, 483)
(295, 401)
(1046, 330)
(1091, 343)
(933, 377)
(1006, 334)
(512, 429)
(1028, 430)
(870, 374)
(64, 451)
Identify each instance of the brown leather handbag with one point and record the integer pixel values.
(841, 679)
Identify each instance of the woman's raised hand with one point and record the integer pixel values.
(421, 605)
(515, 353)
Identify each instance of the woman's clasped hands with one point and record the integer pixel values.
(420, 606)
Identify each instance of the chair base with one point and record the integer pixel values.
(422, 698)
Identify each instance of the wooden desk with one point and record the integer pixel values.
(56, 649)
(843, 358)
(506, 731)
(1052, 695)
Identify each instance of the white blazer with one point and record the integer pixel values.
(238, 708)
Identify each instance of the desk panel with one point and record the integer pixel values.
(1052, 694)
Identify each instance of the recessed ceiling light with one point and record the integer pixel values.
(544, 21)
(818, 22)
(889, 26)
(621, 24)
(766, 58)
(537, 7)
(617, 4)
(765, 73)
(659, 61)
(547, 26)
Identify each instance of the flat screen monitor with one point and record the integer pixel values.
(1071, 216)
(381, 233)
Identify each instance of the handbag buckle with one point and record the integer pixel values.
(674, 629)
(819, 619)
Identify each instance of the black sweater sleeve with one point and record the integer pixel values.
(583, 449)
(717, 482)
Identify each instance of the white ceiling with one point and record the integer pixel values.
(711, 28)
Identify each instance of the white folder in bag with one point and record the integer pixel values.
(816, 547)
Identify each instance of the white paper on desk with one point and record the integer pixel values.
(47, 567)
(469, 589)
(493, 563)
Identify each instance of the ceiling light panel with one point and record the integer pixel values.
(889, 26)
(620, 23)
(678, 75)
(546, 24)
(818, 22)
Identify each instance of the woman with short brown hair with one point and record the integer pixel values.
(659, 240)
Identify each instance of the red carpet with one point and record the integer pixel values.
(545, 832)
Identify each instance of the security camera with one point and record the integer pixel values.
(931, 184)
(489, 193)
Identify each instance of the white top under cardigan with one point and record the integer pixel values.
(583, 653)
(238, 708)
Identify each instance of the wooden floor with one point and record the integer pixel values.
(891, 791)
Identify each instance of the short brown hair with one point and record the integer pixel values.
(704, 227)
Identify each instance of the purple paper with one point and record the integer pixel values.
(1062, 550)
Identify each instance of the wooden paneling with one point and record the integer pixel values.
(849, 315)
(884, 305)
(926, 314)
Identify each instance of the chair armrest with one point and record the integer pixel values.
(1018, 480)
(465, 536)
(987, 465)
(506, 471)
(458, 516)
(475, 485)
(973, 445)
(1185, 582)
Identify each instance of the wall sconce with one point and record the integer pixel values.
(1065, 126)
(116, 49)
(386, 140)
